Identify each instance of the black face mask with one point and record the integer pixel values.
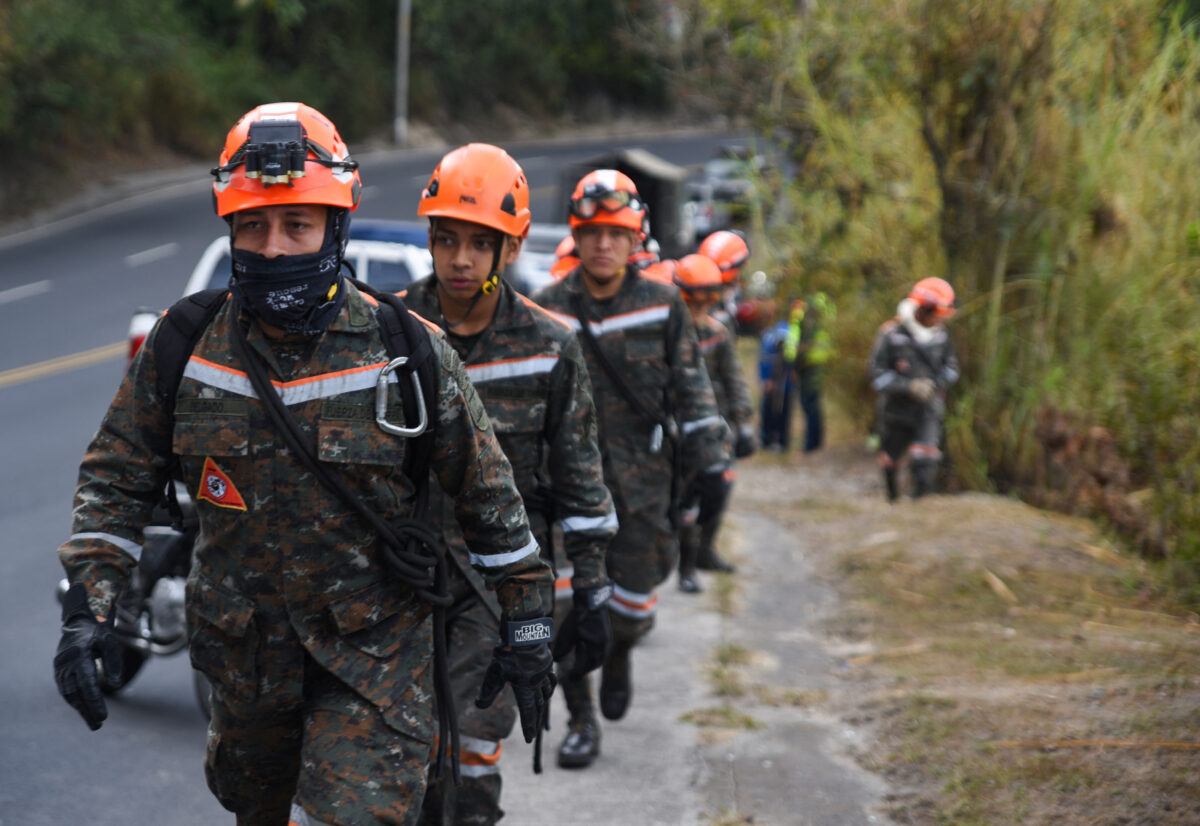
(292, 292)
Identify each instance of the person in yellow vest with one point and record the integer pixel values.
(808, 347)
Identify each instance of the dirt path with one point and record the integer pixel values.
(731, 720)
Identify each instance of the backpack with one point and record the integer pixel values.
(188, 318)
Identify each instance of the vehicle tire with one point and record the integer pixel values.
(132, 661)
(203, 694)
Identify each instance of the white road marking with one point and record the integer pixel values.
(24, 291)
(158, 253)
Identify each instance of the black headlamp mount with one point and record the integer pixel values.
(276, 152)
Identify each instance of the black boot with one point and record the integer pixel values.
(924, 473)
(707, 559)
(689, 549)
(893, 485)
(616, 688)
(582, 743)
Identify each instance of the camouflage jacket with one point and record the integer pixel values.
(899, 355)
(648, 335)
(729, 384)
(281, 565)
(530, 373)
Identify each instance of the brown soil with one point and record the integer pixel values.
(1009, 664)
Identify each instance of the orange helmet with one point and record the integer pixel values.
(284, 153)
(697, 273)
(567, 260)
(480, 183)
(565, 247)
(607, 197)
(660, 271)
(729, 250)
(935, 293)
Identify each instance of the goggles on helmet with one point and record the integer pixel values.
(597, 197)
(276, 151)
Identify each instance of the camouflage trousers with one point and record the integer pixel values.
(472, 633)
(331, 761)
(640, 557)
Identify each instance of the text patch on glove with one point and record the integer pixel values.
(529, 632)
(599, 596)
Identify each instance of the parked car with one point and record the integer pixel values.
(719, 197)
(531, 271)
(388, 255)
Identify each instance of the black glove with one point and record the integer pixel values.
(587, 630)
(84, 640)
(746, 444)
(524, 660)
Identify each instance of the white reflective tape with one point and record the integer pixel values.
(883, 381)
(485, 747)
(498, 560)
(292, 392)
(625, 321)
(631, 603)
(131, 548)
(299, 817)
(512, 368)
(608, 522)
(698, 424)
(478, 771)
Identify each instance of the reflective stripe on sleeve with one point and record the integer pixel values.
(497, 560)
(131, 548)
(884, 380)
(632, 604)
(698, 424)
(292, 392)
(511, 368)
(591, 523)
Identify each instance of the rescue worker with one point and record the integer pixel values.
(655, 407)
(700, 282)
(912, 366)
(528, 369)
(317, 637)
(775, 379)
(807, 348)
(729, 250)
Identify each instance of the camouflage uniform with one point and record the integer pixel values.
(908, 427)
(702, 509)
(530, 373)
(648, 335)
(320, 659)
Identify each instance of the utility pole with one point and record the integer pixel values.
(403, 29)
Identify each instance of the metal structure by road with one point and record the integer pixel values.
(66, 294)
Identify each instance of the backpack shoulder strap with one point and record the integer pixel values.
(405, 336)
(185, 322)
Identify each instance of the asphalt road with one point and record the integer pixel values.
(67, 289)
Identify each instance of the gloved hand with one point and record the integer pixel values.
(524, 660)
(745, 444)
(921, 389)
(84, 640)
(587, 630)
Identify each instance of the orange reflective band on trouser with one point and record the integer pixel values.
(919, 451)
(478, 758)
(632, 604)
(562, 585)
(886, 461)
(729, 475)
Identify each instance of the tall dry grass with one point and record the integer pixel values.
(1044, 156)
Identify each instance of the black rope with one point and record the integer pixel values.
(411, 548)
